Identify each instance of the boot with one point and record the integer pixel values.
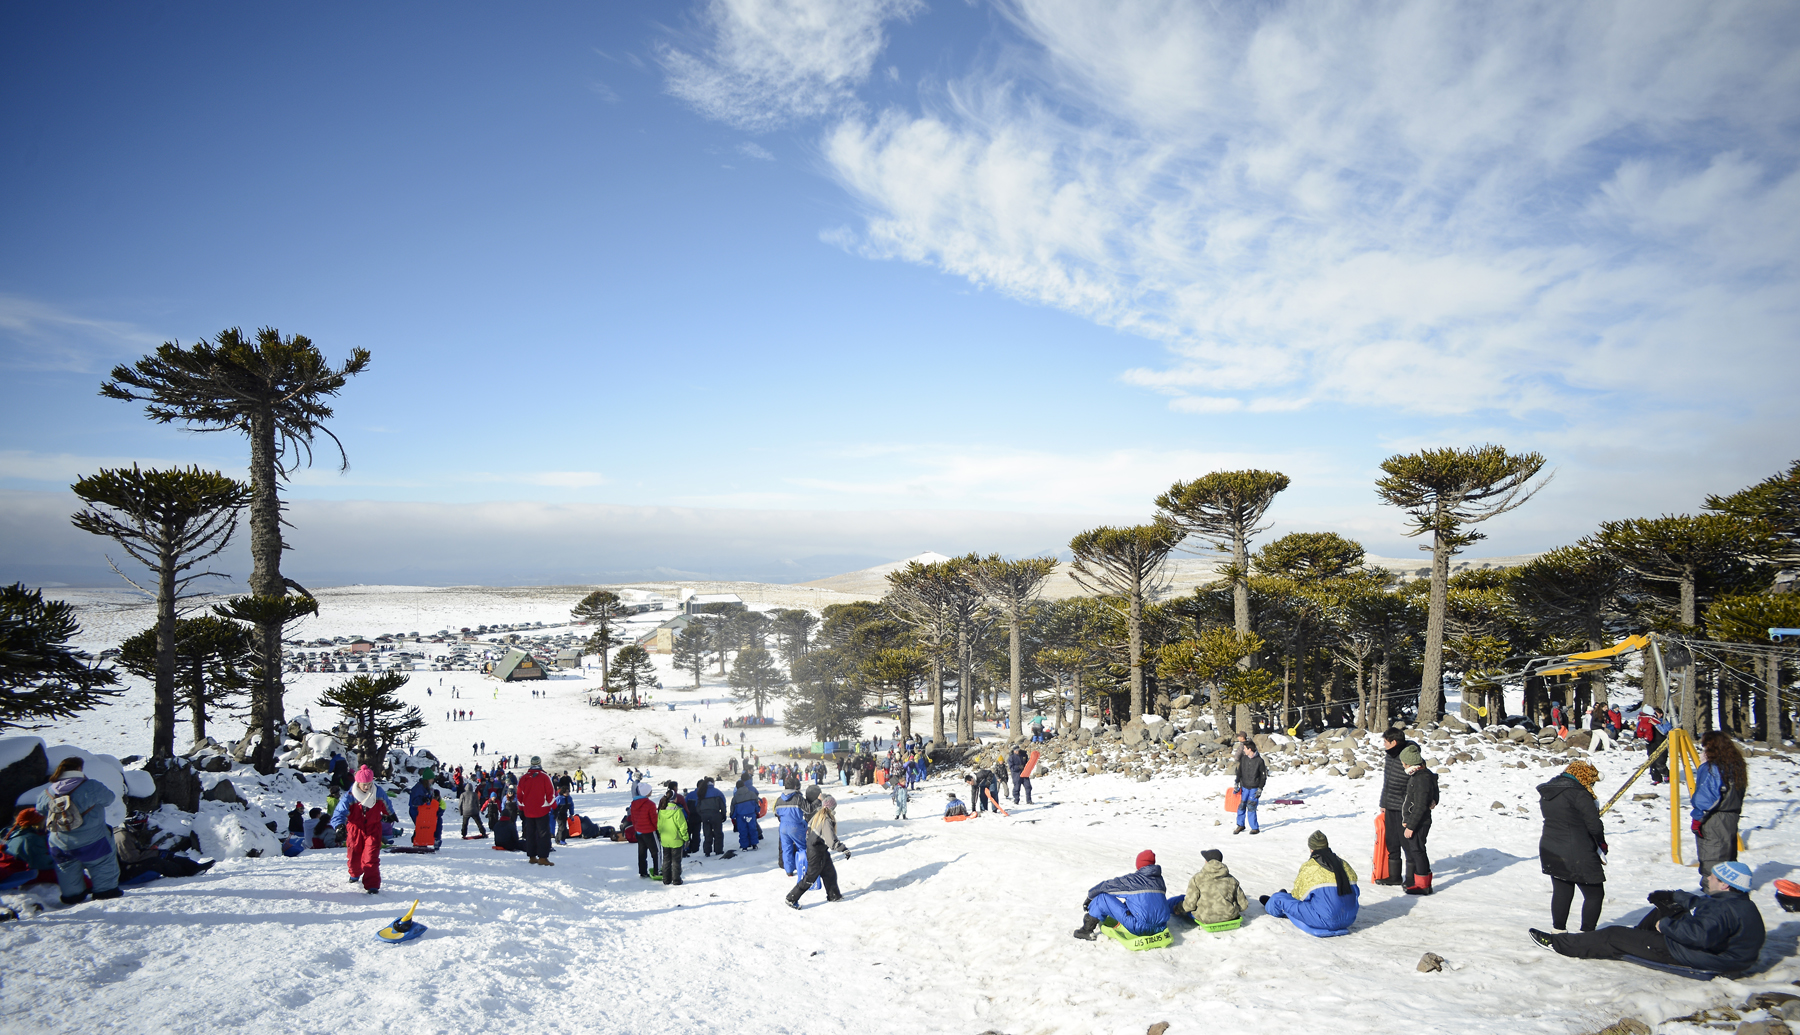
(1421, 884)
(1089, 926)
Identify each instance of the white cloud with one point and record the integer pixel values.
(751, 149)
(1413, 206)
(41, 336)
(759, 63)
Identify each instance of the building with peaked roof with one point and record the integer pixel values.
(518, 665)
(666, 634)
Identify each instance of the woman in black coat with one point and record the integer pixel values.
(1573, 846)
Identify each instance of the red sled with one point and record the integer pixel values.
(1380, 869)
(1030, 766)
(995, 802)
(1232, 800)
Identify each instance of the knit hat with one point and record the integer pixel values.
(1584, 774)
(536, 761)
(1734, 873)
(1316, 840)
(828, 802)
(365, 775)
(1146, 858)
(28, 817)
(1410, 755)
(1213, 855)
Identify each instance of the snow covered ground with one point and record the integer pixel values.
(946, 927)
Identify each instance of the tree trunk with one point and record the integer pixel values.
(1772, 703)
(267, 712)
(1431, 679)
(162, 713)
(1240, 610)
(1015, 705)
(906, 710)
(965, 698)
(1134, 631)
(1383, 673)
(937, 701)
(1690, 687)
(1362, 694)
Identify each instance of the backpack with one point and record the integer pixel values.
(64, 816)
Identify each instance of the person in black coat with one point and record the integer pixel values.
(1393, 796)
(1572, 849)
(1252, 774)
(1415, 818)
(1720, 932)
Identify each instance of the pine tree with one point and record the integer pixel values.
(1748, 618)
(898, 669)
(922, 595)
(1011, 586)
(793, 627)
(754, 678)
(1571, 591)
(170, 522)
(633, 669)
(1445, 491)
(377, 718)
(1772, 508)
(42, 678)
(213, 663)
(603, 609)
(821, 700)
(1126, 563)
(273, 389)
(691, 650)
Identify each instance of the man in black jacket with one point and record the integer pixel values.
(1252, 773)
(1720, 932)
(1415, 818)
(1393, 796)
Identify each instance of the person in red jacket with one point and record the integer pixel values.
(643, 828)
(537, 795)
(359, 814)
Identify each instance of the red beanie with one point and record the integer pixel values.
(1146, 858)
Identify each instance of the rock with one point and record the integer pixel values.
(1582, 739)
(177, 783)
(225, 792)
(1769, 1000)
(216, 764)
(242, 750)
(1430, 962)
(1157, 1029)
(1438, 735)
(1454, 722)
(1463, 756)
(317, 765)
(1518, 733)
(1133, 735)
(1559, 747)
(1093, 770)
(1164, 732)
(1182, 702)
(32, 770)
(1497, 805)
(1772, 1026)
(1625, 1026)
(1356, 772)
(1143, 778)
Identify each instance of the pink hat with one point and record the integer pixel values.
(365, 775)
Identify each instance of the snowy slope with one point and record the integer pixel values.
(947, 927)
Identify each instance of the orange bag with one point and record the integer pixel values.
(1232, 800)
(1380, 869)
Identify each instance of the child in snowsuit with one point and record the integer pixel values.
(360, 813)
(744, 806)
(954, 807)
(1415, 819)
(1214, 896)
(672, 832)
(790, 815)
(1325, 896)
(1136, 901)
(27, 858)
(81, 846)
(901, 797)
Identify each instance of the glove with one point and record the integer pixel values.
(1661, 899)
(1696, 826)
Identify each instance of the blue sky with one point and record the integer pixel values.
(965, 275)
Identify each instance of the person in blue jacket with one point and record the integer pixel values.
(1720, 932)
(710, 808)
(82, 849)
(745, 803)
(1719, 786)
(1325, 898)
(1138, 901)
(790, 814)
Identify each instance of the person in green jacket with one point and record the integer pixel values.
(672, 831)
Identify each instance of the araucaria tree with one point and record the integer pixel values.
(1444, 491)
(274, 391)
(602, 608)
(823, 699)
(921, 595)
(690, 650)
(634, 669)
(1010, 587)
(42, 678)
(754, 678)
(377, 719)
(213, 663)
(1126, 563)
(170, 522)
(1223, 509)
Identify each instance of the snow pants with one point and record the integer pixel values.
(364, 857)
(1562, 896)
(647, 845)
(1416, 860)
(818, 867)
(1021, 782)
(75, 866)
(671, 873)
(1610, 943)
(475, 815)
(537, 836)
(1391, 830)
(749, 832)
(712, 836)
(1247, 806)
(1104, 906)
(1323, 913)
(793, 853)
(1717, 841)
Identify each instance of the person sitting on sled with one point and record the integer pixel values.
(1214, 896)
(953, 807)
(1325, 898)
(1137, 901)
(1720, 932)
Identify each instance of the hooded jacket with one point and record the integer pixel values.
(1573, 837)
(1712, 795)
(671, 823)
(643, 816)
(822, 829)
(709, 803)
(1421, 795)
(1214, 895)
(1722, 932)
(90, 797)
(1252, 771)
(790, 812)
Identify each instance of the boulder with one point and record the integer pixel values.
(215, 764)
(23, 765)
(1356, 772)
(1517, 734)
(1438, 735)
(1164, 732)
(225, 792)
(177, 783)
(1582, 739)
(1133, 735)
(1182, 702)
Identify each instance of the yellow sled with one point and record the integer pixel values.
(1137, 942)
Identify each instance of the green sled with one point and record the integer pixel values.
(1137, 942)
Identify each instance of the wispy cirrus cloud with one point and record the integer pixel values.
(757, 64)
(41, 336)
